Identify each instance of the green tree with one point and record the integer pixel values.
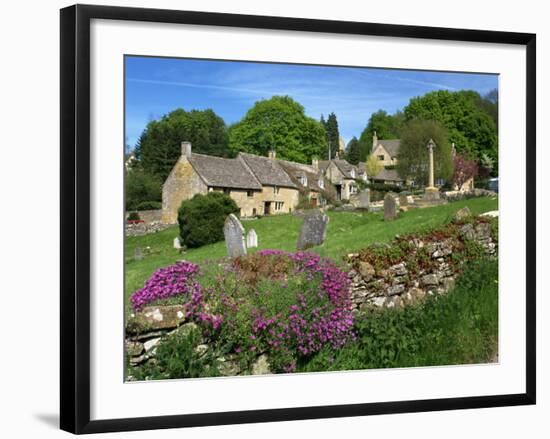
(413, 158)
(333, 136)
(353, 151)
(159, 146)
(373, 166)
(469, 126)
(141, 187)
(278, 123)
(387, 126)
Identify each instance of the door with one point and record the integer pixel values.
(267, 207)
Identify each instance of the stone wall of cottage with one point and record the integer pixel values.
(148, 216)
(182, 184)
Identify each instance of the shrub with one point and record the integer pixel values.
(167, 282)
(149, 205)
(202, 217)
(289, 305)
(304, 203)
(133, 216)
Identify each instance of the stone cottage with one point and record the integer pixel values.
(259, 185)
(343, 176)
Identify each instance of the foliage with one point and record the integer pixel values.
(149, 205)
(202, 217)
(386, 126)
(413, 157)
(278, 124)
(288, 305)
(139, 187)
(179, 356)
(464, 169)
(373, 166)
(174, 280)
(353, 153)
(304, 202)
(486, 165)
(469, 126)
(133, 216)
(159, 147)
(460, 327)
(333, 136)
(383, 187)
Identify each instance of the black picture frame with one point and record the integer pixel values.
(75, 217)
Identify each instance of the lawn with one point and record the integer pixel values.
(347, 232)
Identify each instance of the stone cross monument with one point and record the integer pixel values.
(431, 192)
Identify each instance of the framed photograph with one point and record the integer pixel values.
(272, 218)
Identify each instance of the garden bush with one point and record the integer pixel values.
(202, 217)
(287, 305)
(140, 187)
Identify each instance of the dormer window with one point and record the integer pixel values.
(321, 183)
(352, 173)
(303, 180)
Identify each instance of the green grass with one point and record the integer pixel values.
(460, 327)
(347, 232)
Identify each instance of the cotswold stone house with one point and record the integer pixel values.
(385, 151)
(259, 185)
(343, 176)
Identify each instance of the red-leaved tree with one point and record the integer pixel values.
(464, 169)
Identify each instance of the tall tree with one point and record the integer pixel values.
(333, 135)
(353, 152)
(471, 128)
(159, 146)
(278, 123)
(387, 126)
(413, 157)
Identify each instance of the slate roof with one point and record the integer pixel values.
(266, 170)
(391, 145)
(345, 168)
(222, 172)
(296, 170)
(323, 165)
(387, 175)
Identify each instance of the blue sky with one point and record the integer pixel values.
(156, 86)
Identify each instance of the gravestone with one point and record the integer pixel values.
(313, 231)
(177, 243)
(363, 199)
(138, 254)
(233, 232)
(390, 207)
(251, 239)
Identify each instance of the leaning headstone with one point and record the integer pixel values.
(390, 207)
(138, 254)
(251, 239)
(177, 243)
(233, 232)
(313, 231)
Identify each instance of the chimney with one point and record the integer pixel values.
(186, 149)
(272, 154)
(374, 140)
(315, 163)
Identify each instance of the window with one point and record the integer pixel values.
(381, 157)
(250, 194)
(352, 172)
(275, 190)
(352, 189)
(321, 183)
(303, 180)
(279, 205)
(226, 191)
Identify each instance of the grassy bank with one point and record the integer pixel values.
(347, 232)
(458, 328)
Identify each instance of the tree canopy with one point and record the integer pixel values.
(279, 123)
(465, 115)
(159, 146)
(353, 152)
(413, 158)
(387, 126)
(333, 135)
